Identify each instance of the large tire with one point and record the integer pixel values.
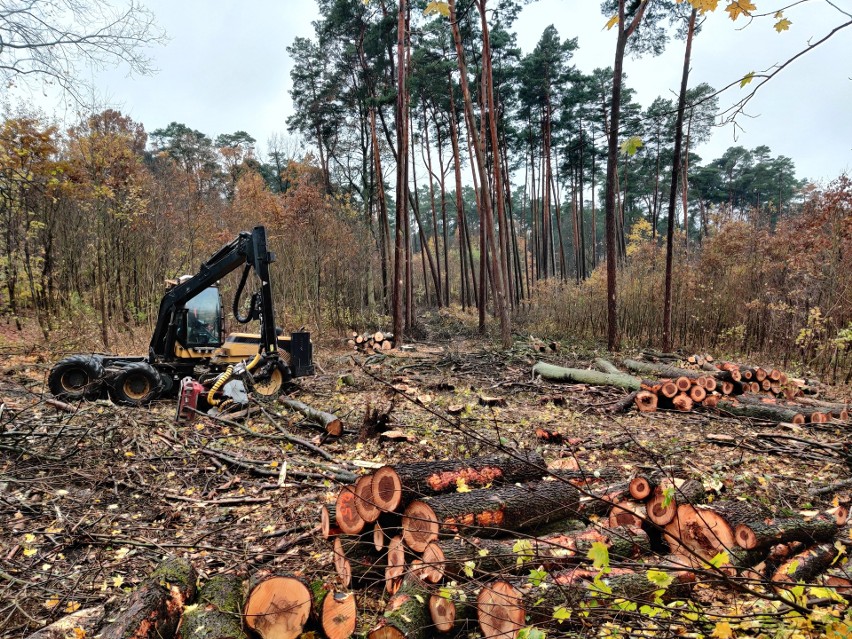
(136, 385)
(76, 377)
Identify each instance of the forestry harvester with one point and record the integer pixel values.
(189, 344)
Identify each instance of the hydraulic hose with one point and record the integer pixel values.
(224, 377)
(220, 381)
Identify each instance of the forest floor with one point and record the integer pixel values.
(92, 500)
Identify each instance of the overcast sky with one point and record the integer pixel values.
(226, 69)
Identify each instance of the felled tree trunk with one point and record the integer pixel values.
(456, 556)
(330, 423)
(217, 613)
(768, 412)
(87, 620)
(396, 486)
(406, 615)
(488, 511)
(279, 607)
(582, 376)
(806, 565)
(763, 533)
(668, 494)
(153, 610)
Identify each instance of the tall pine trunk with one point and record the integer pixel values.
(681, 107)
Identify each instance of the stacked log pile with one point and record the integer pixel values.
(168, 605)
(729, 388)
(499, 543)
(370, 342)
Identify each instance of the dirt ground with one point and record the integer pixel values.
(91, 501)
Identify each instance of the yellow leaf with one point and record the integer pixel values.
(739, 8)
(117, 581)
(29, 552)
(782, 25)
(722, 630)
(79, 632)
(72, 606)
(748, 77)
(703, 6)
(269, 529)
(461, 485)
(52, 602)
(121, 553)
(273, 464)
(29, 538)
(612, 22)
(437, 7)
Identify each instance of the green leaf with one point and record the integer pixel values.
(446, 593)
(537, 576)
(720, 560)
(561, 614)
(531, 632)
(668, 496)
(598, 585)
(599, 554)
(468, 568)
(660, 578)
(791, 568)
(748, 77)
(523, 548)
(631, 145)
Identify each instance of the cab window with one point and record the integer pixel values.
(203, 325)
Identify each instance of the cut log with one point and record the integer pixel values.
(646, 401)
(217, 613)
(347, 516)
(449, 612)
(662, 506)
(339, 615)
(703, 530)
(88, 620)
(279, 607)
(364, 502)
(395, 486)
(330, 423)
(599, 501)
(153, 610)
(395, 563)
(661, 370)
(328, 521)
(682, 402)
(582, 376)
(710, 384)
(406, 615)
(697, 394)
(669, 389)
(357, 562)
(711, 401)
(488, 512)
(605, 366)
(628, 514)
(456, 557)
(805, 566)
(500, 610)
(762, 411)
(378, 336)
(764, 533)
(643, 483)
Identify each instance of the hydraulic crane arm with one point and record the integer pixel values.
(248, 250)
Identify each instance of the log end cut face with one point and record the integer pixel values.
(348, 518)
(341, 564)
(365, 503)
(433, 563)
(387, 489)
(419, 525)
(500, 610)
(443, 613)
(396, 563)
(339, 616)
(278, 608)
